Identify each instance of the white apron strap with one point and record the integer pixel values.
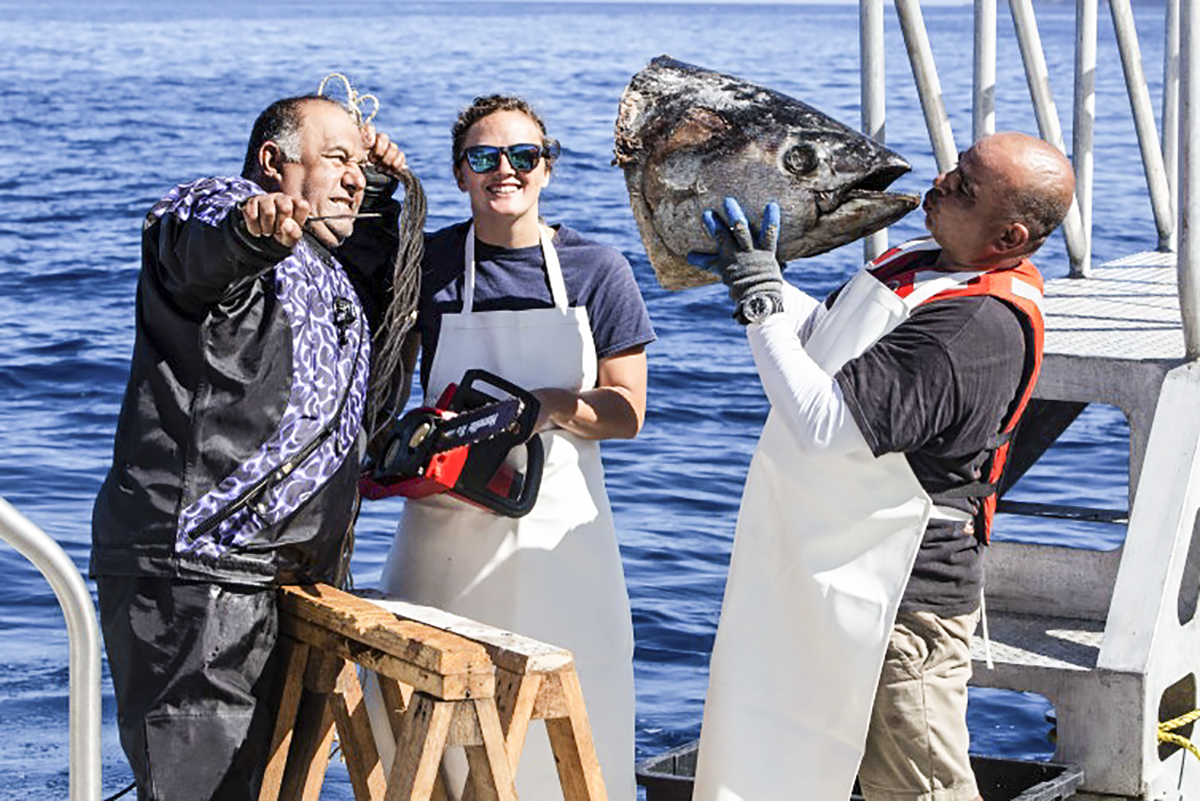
(558, 287)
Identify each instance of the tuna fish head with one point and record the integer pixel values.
(687, 137)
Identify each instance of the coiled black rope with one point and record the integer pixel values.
(387, 369)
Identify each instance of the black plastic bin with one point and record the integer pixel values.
(668, 777)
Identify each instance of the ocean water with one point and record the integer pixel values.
(108, 103)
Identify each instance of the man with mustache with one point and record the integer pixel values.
(871, 493)
(239, 442)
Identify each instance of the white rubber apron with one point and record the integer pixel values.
(822, 553)
(554, 575)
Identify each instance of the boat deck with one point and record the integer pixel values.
(1110, 338)
(1059, 643)
(1128, 310)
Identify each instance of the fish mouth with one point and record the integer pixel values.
(844, 215)
(829, 203)
(871, 189)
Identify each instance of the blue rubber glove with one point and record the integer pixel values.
(745, 266)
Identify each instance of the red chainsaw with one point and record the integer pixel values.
(467, 444)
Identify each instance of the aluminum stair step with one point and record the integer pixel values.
(1037, 641)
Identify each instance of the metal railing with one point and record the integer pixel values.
(1171, 167)
(1188, 261)
(83, 635)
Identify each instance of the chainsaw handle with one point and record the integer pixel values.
(526, 423)
(535, 460)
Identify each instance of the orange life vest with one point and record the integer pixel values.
(904, 268)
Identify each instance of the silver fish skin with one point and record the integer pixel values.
(687, 137)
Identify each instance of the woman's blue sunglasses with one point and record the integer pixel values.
(523, 157)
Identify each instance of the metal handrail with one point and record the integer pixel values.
(870, 32)
(1038, 77)
(83, 635)
(1170, 114)
(983, 103)
(1188, 260)
(1172, 169)
(1084, 127)
(1143, 120)
(929, 88)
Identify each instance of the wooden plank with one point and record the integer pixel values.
(396, 697)
(507, 650)
(419, 749)
(428, 648)
(367, 775)
(292, 659)
(571, 741)
(464, 727)
(491, 773)
(309, 755)
(439, 788)
(551, 702)
(321, 672)
(476, 683)
(515, 697)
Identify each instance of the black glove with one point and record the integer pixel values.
(746, 268)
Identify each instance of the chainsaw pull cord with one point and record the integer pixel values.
(558, 287)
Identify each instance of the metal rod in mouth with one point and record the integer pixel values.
(345, 216)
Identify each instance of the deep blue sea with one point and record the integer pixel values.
(105, 104)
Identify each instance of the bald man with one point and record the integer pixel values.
(872, 490)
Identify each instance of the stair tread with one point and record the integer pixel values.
(1060, 643)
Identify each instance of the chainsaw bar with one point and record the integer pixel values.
(476, 425)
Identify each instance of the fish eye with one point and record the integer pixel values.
(800, 159)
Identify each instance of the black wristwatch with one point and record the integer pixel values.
(757, 307)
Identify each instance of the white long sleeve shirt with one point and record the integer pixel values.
(810, 401)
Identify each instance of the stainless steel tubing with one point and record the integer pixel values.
(983, 104)
(929, 89)
(1044, 109)
(1188, 260)
(1143, 119)
(873, 91)
(1170, 113)
(1083, 130)
(83, 634)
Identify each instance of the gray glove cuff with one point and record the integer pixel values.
(751, 272)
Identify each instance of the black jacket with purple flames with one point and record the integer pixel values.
(239, 439)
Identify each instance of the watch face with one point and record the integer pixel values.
(757, 308)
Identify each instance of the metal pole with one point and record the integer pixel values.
(1083, 130)
(1044, 109)
(920, 56)
(1189, 177)
(983, 108)
(1170, 114)
(1143, 119)
(873, 88)
(83, 635)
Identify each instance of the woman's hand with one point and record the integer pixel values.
(614, 409)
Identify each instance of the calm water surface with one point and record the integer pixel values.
(106, 104)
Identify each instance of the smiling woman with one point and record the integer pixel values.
(546, 309)
(500, 168)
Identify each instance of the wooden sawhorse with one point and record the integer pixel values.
(534, 681)
(446, 682)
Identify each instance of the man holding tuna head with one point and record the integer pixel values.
(240, 438)
(871, 492)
